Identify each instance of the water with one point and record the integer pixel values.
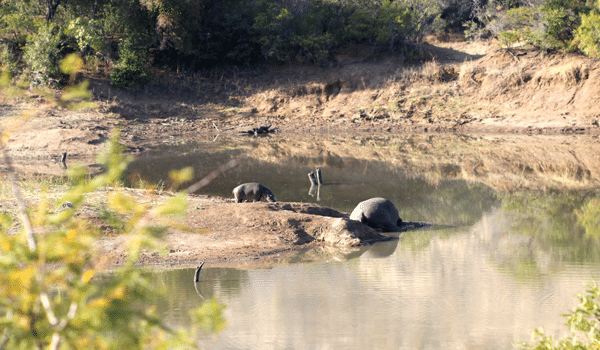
(510, 251)
(452, 293)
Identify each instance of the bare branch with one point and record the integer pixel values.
(46, 304)
(55, 342)
(208, 178)
(10, 171)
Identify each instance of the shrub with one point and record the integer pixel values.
(521, 24)
(284, 37)
(550, 25)
(42, 53)
(393, 24)
(583, 322)
(228, 35)
(587, 37)
(560, 20)
(16, 20)
(53, 291)
(87, 34)
(130, 70)
(8, 63)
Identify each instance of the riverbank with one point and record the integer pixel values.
(461, 89)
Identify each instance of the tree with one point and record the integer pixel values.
(51, 6)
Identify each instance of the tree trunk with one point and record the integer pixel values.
(51, 6)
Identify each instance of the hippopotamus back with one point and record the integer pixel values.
(252, 191)
(378, 213)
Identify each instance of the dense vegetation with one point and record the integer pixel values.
(125, 39)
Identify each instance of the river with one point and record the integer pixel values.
(511, 247)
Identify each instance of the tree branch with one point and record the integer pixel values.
(10, 171)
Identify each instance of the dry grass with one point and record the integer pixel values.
(569, 74)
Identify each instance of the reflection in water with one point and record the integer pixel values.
(349, 181)
(434, 289)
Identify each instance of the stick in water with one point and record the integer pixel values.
(197, 274)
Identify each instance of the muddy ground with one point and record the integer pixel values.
(460, 87)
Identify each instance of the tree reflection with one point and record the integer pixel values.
(563, 225)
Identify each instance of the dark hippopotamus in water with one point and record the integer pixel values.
(378, 213)
(252, 191)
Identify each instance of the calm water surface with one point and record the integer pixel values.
(498, 265)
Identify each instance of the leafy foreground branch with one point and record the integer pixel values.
(50, 297)
(51, 293)
(583, 322)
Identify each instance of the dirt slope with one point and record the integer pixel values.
(462, 88)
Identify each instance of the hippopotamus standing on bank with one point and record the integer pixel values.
(252, 191)
(378, 213)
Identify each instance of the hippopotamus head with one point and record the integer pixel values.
(270, 197)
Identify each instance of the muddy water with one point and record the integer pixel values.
(450, 294)
(511, 250)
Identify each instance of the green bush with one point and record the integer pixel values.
(275, 25)
(8, 62)
(42, 54)
(587, 37)
(560, 21)
(88, 35)
(521, 25)
(228, 36)
(131, 69)
(53, 291)
(583, 322)
(17, 20)
(393, 25)
(311, 35)
(359, 26)
(550, 25)
(124, 20)
(192, 34)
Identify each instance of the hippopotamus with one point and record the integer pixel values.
(378, 213)
(252, 191)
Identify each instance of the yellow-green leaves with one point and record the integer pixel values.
(173, 206)
(4, 79)
(181, 176)
(209, 316)
(71, 64)
(124, 204)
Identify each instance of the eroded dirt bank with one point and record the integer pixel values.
(462, 88)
